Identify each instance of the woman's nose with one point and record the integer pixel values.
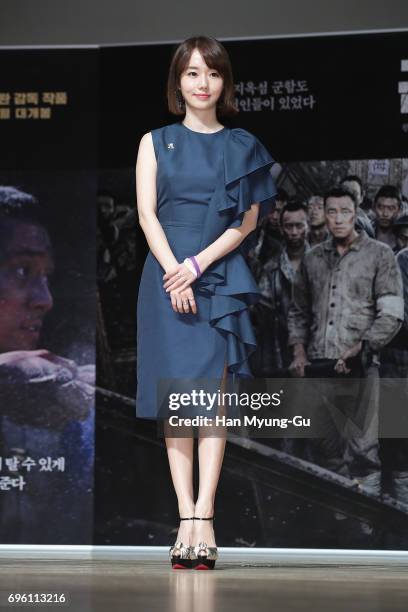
(203, 80)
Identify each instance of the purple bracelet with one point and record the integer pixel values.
(195, 264)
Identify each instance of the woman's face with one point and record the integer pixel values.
(200, 85)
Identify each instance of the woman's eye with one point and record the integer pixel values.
(193, 73)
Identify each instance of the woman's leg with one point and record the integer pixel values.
(211, 447)
(180, 455)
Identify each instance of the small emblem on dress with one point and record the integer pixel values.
(170, 145)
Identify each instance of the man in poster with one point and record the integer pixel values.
(275, 284)
(387, 207)
(46, 399)
(347, 296)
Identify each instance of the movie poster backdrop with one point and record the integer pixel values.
(48, 184)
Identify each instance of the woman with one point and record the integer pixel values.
(199, 190)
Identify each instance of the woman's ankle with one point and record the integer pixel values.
(186, 511)
(204, 532)
(204, 510)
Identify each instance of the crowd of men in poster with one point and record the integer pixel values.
(284, 240)
(333, 277)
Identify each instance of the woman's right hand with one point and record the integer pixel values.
(183, 301)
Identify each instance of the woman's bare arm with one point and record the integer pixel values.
(146, 170)
(227, 242)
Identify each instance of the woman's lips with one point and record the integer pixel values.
(204, 96)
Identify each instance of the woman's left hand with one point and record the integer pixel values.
(178, 278)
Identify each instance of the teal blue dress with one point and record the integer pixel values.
(205, 184)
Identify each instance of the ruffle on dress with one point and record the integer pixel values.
(245, 179)
(246, 176)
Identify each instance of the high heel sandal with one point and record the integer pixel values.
(203, 557)
(180, 554)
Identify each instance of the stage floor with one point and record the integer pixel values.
(120, 585)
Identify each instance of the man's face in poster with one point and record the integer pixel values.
(386, 210)
(294, 228)
(315, 211)
(26, 263)
(340, 216)
(274, 215)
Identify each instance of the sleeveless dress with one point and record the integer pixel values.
(205, 183)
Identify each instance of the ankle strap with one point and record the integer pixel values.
(190, 518)
(197, 518)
